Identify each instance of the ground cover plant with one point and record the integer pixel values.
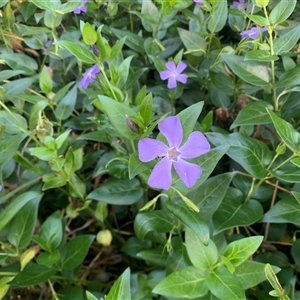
(149, 149)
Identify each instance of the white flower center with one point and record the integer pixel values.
(173, 154)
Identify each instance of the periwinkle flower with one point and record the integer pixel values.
(80, 8)
(200, 2)
(174, 74)
(240, 5)
(173, 154)
(95, 49)
(253, 33)
(47, 46)
(89, 76)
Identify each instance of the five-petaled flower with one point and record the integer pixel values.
(80, 8)
(200, 2)
(89, 76)
(253, 33)
(240, 5)
(174, 74)
(173, 154)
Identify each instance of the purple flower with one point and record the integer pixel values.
(174, 74)
(253, 32)
(240, 5)
(47, 46)
(89, 76)
(80, 8)
(95, 49)
(200, 2)
(173, 154)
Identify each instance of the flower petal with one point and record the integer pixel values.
(161, 177)
(180, 67)
(150, 148)
(170, 65)
(195, 145)
(182, 78)
(171, 128)
(172, 82)
(165, 75)
(188, 173)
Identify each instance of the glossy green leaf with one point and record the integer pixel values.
(286, 210)
(90, 296)
(194, 43)
(240, 250)
(282, 11)
(123, 71)
(251, 273)
(48, 259)
(155, 257)
(135, 166)
(287, 41)
(222, 83)
(157, 220)
(66, 105)
(23, 225)
(253, 72)
(14, 207)
(121, 287)
(189, 218)
(45, 81)
(146, 109)
(133, 40)
(233, 211)
(289, 78)
(202, 256)
(181, 284)
(260, 55)
(74, 251)
(117, 113)
(43, 4)
(118, 192)
(54, 182)
(13, 122)
(218, 16)
(32, 274)
(286, 131)
(253, 155)
(42, 153)
(78, 51)
(253, 114)
(224, 285)
(51, 231)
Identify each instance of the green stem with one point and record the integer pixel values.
(107, 81)
(270, 32)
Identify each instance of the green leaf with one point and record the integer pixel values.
(253, 114)
(218, 16)
(22, 227)
(13, 125)
(240, 250)
(43, 4)
(121, 288)
(251, 273)
(89, 34)
(32, 274)
(62, 138)
(146, 109)
(295, 251)
(52, 19)
(233, 211)
(194, 43)
(90, 296)
(289, 78)
(118, 192)
(45, 81)
(260, 55)
(253, 155)
(78, 51)
(133, 41)
(181, 284)
(66, 106)
(202, 257)
(48, 259)
(250, 71)
(189, 218)
(224, 285)
(259, 20)
(117, 113)
(286, 131)
(155, 257)
(284, 211)
(53, 182)
(157, 220)
(42, 153)
(287, 41)
(14, 207)
(135, 166)
(222, 83)
(123, 71)
(9, 146)
(282, 11)
(51, 231)
(74, 251)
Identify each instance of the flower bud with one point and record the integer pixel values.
(95, 49)
(104, 237)
(132, 125)
(71, 212)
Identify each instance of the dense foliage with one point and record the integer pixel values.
(149, 149)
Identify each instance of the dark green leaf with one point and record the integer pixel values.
(282, 11)
(133, 40)
(194, 43)
(135, 166)
(121, 288)
(287, 41)
(218, 16)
